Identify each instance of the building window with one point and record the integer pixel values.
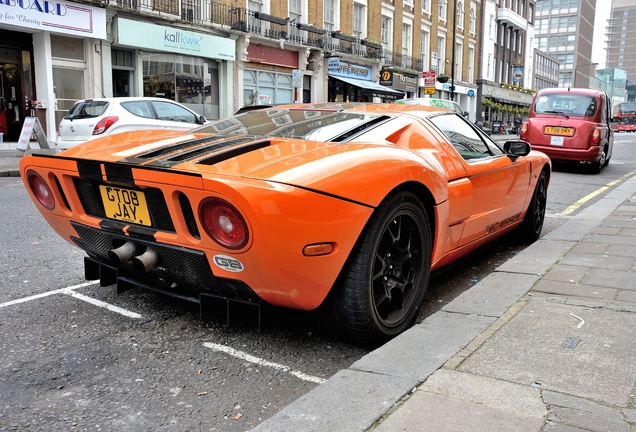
(472, 20)
(359, 26)
(442, 9)
(441, 54)
(386, 26)
(329, 15)
(425, 41)
(407, 33)
(471, 65)
(459, 57)
(488, 67)
(460, 15)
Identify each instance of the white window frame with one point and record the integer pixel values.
(425, 47)
(441, 53)
(460, 15)
(386, 29)
(361, 8)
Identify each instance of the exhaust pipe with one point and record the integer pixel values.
(123, 253)
(146, 262)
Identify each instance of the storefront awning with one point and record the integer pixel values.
(372, 89)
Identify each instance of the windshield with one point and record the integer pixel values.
(566, 104)
(317, 125)
(86, 109)
(628, 108)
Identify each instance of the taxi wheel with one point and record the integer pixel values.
(530, 228)
(595, 168)
(383, 284)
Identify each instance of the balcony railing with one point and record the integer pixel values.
(206, 12)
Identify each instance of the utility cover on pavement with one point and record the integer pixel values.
(571, 342)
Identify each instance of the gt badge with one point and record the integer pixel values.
(228, 263)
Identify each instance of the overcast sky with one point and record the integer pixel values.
(603, 9)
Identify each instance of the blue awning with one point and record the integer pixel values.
(371, 88)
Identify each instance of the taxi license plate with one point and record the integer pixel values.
(125, 205)
(557, 130)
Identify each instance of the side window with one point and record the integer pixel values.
(463, 137)
(138, 108)
(171, 112)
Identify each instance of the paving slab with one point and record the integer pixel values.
(529, 349)
(604, 261)
(456, 401)
(611, 279)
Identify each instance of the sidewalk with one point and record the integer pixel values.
(9, 159)
(545, 343)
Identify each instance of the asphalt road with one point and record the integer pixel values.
(77, 356)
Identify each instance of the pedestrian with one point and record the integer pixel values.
(518, 122)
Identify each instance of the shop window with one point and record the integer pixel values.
(121, 58)
(68, 85)
(266, 87)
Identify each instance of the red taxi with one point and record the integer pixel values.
(571, 125)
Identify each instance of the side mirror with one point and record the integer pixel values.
(466, 114)
(514, 149)
(202, 120)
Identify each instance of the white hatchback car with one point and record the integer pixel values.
(93, 118)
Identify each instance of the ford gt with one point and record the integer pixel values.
(347, 207)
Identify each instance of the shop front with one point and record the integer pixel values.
(268, 77)
(45, 57)
(501, 103)
(194, 69)
(400, 81)
(350, 82)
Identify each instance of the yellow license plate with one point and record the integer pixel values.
(556, 130)
(125, 205)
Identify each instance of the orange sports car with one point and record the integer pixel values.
(344, 206)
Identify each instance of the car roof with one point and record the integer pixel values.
(576, 91)
(128, 99)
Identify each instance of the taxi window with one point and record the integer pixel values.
(462, 136)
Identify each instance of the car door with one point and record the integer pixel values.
(174, 116)
(499, 184)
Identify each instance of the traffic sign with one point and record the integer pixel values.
(429, 78)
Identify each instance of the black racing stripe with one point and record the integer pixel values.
(233, 152)
(154, 154)
(89, 170)
(119, 173)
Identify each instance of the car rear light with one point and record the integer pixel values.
(103, 125)
(523, 134)
(596, 136)
(41, 190)
(223, 223)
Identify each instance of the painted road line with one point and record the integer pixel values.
(70, 291)
(102, 304)
(259, 361)
(588, 197)
(46, 294)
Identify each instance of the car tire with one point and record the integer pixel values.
(596, 167)
(381, 289)
(530, 228)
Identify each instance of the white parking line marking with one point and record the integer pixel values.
(69, 291)
(100, 303)
(252, 359)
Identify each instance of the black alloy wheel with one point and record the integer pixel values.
(384, 282)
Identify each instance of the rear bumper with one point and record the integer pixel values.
(592, 154)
